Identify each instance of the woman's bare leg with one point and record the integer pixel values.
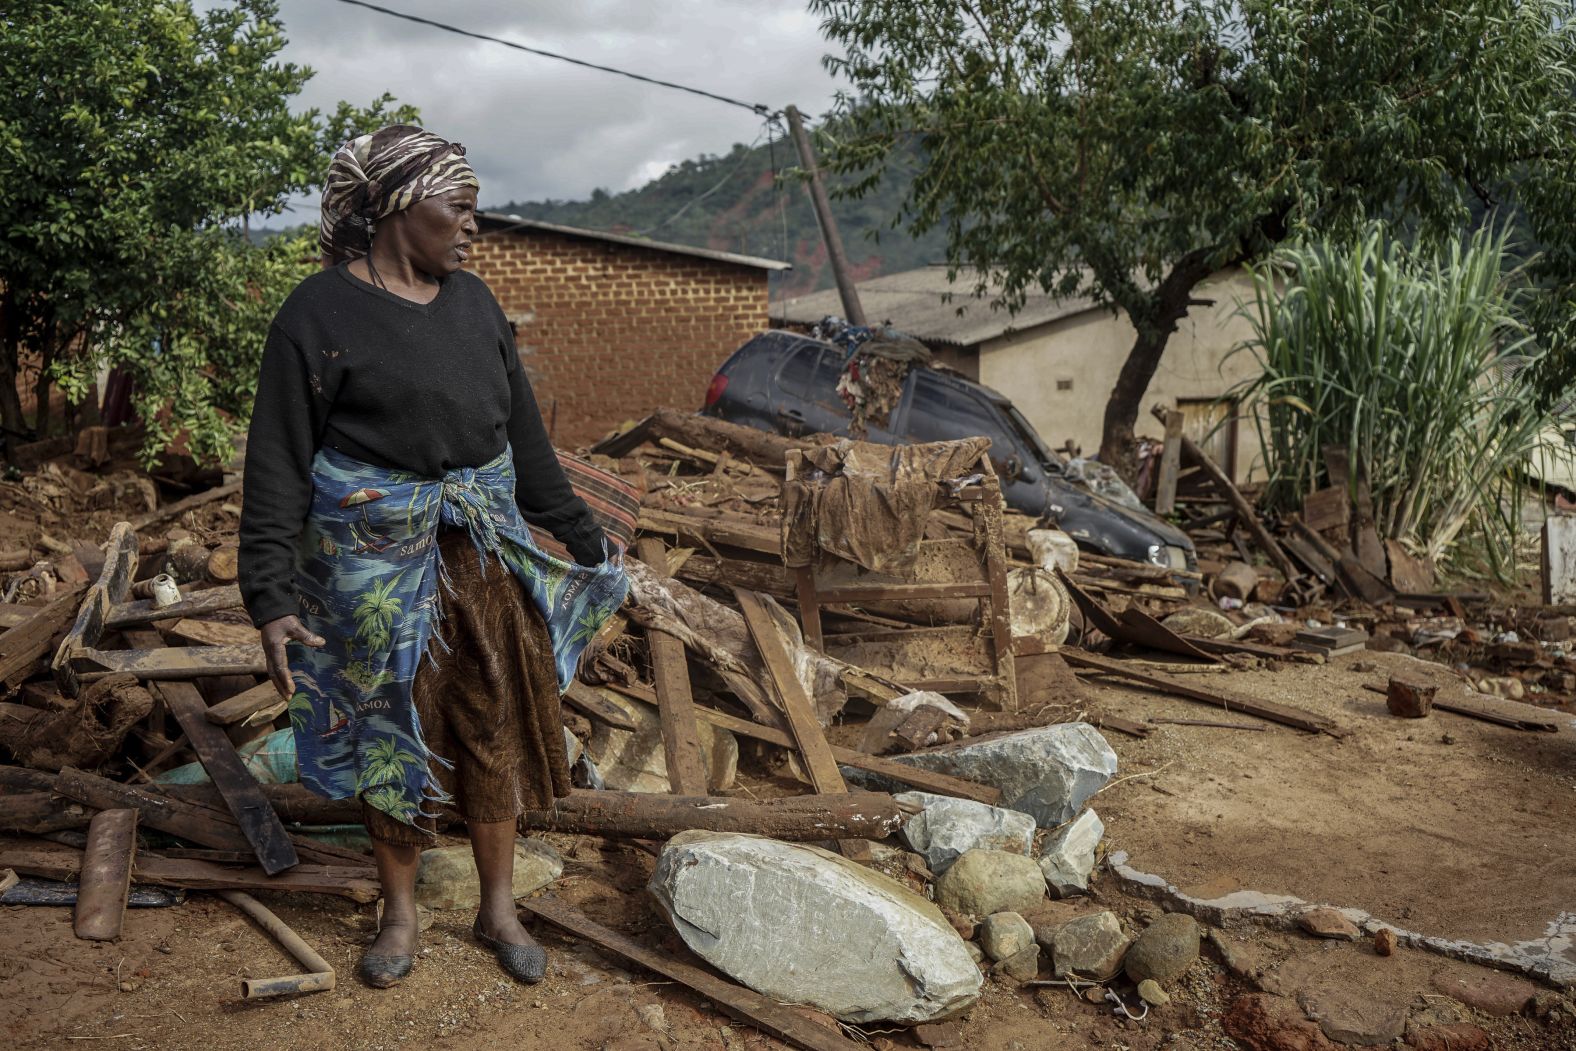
(397, 865)
(493, 844)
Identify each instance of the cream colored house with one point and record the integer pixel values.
(1057, 359)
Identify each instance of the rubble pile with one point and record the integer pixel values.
(843, 700)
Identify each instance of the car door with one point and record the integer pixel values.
(807, 401)
(939, 410)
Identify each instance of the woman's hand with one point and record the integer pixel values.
(275, 634)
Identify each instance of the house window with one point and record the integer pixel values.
(1064, 384)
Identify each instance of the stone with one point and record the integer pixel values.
(1196, 620)
(985, 881)
(1005, 934)
(1492, 992)
(1047, 772)
(1265, 1022)
(1461, 1036)
(975, 952)
(1385, 941)
(941, 1034)
(1165, 949)
(1089, 947)
(1150, 992)
(635, 761)
(1356, 1016)
(1021, 966)
(1325, 922)
(780, 917)
(1242, 959)
(948, 828)
(1409, 700)
(446, 876)
(1070, 855)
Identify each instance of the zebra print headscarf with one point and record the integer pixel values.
(374, 176)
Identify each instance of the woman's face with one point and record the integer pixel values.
(436, 232)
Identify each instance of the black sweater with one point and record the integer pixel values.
(421, 387)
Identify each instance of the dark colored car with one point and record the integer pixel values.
(787, 383)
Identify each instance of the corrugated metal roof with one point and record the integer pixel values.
(497, 222)
(925, 304)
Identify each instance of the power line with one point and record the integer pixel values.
(761, 109)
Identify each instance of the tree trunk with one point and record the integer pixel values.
(42, 385)
(10, 343)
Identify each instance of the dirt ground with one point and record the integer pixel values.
(1445, 826)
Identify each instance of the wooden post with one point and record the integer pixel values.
(823, 216)
(680, 734)
(1170, 465)
(798, 709)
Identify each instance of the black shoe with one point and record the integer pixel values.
(528, 963)
(383, 971)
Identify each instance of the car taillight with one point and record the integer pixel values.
(719, 383)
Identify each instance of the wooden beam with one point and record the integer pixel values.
(143, 611)
(120, 566)
(246, 704)
(159, 663)
(1245, 513)
(180, 507)
(55, 861)
(924, 780)
(1170, 463)
(676, 706)
(798, 708)
(213, 633)
(106, 875)
(643, 815)
(598, 707)
(746, 1005)
(1279, 713)
(257, 819)
(21, 647)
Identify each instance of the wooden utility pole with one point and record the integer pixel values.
(823, 216)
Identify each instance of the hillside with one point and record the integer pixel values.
(730, 202)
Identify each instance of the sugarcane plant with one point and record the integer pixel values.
(1417, 361)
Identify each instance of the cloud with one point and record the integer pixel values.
(537, 128)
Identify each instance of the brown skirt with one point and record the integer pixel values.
(489, 703)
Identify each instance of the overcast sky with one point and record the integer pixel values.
(534, 127)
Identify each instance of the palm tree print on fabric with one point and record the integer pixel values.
(375, 613)
(387, 762)
(589, 624)
(388, 799)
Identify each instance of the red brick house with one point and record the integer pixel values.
(612, 326)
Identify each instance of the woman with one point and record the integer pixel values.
(395, 455)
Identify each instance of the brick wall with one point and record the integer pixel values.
(611, 331)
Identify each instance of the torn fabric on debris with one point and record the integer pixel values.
(868, 504)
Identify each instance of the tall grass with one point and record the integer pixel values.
(1417, 363)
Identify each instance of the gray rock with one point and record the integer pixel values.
(1022, 966)
(1069, 856)
(1150, 992)
(975, 952)
(637, 762)
(1199, 621)
(949, 827)
(1005, 934)
(572, 747)
(1089, 947)
(985, 881)
(1047, 772)
(1165, 949)
(446, 876)
(802, 925)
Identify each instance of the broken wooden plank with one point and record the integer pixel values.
(1120, 725)
(1170, 463)
(180, 507)
(676, 705)
(902, 592)
(1528, 723)
(1208, 722)
(1327, 508)
(59, 862)
(746, 1005)
(243, 706)
(170, 663)
(1245, 513)
(213, 633)
(798, 708)
(745, 535)
(924, 780)
(21, 647)
(143, 611)
(1279, 713)
(235, 782)
(583, 697)
(106, 875)
(644, 815)
(120, 566)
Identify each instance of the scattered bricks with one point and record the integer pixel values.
(1264, 1022)
(1461, 1036)
(1492, 992)
(1410, 700)
(1384, 941)
(1325, 922)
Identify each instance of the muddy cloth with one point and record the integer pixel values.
(488, 703)
(370, 578)
(868, 504)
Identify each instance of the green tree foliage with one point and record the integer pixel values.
(134, 136)
(1126, 149)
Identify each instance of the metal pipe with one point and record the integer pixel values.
(319, 977)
